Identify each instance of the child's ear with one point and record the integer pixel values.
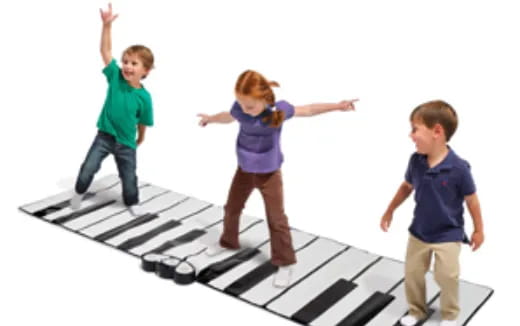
(147, 71)
(438, 130)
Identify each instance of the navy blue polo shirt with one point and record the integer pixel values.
(439, 197)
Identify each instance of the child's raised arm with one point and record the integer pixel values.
(222, 117)
(319, 108)
(106, 42)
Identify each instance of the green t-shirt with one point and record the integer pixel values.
(124, 108)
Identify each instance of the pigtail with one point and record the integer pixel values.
(273, 84)
(277, 118)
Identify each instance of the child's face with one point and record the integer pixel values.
(424, 138)
(133, 69)
(250, 105)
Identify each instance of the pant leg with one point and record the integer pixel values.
(271, 188)
(239, 192)
(126, 165)
(100, 148)
(446, 272)
(418, 259)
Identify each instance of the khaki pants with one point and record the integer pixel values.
(446, 273)
(271, 188)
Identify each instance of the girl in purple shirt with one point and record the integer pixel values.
(259, 161)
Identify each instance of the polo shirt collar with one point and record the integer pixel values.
(446, 164)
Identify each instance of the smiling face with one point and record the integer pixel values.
(426, 139)
(250, 105)
(133, 69)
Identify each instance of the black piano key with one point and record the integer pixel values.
(139, 240)
(323, 301)
(213, 271)
(125, 227)
(82, 212)
(251, 279)
(367, 310)
(185, 238)
(59, 206)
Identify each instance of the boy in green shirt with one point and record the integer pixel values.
(127, 110)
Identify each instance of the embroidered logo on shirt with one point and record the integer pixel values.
(444, 183)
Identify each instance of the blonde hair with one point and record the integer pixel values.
(144, 53)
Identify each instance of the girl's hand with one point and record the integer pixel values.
(204, 119)
(348, 105)
(106, 16)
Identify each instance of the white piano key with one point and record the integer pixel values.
(399, 306)
(471, 297)
(309, 258)
(123, 217)
(212, 236)
(200, 220)
(100, 197)
(345, 266)
(251, 238)
(97, 185)
(380, 277)
(299, 239)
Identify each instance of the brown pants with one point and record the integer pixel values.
(445, 271)
(271, 188)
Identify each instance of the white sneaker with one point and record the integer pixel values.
(282, 278)
(408, 320)
(136, 210)
(215, 249)
(448, 323)
(75, 201)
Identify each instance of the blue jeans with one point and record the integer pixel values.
(125, 157)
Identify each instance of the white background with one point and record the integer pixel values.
(341, 169)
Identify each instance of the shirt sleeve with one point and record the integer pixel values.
(146, 114)
(285, 107)
(236, 112)
(467, 185)
(111, 71)
(408, 174)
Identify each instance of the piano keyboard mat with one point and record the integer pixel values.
(332, 283)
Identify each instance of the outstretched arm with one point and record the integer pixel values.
(106, 39)
(222, 117)
(402, 193)
(319, 108)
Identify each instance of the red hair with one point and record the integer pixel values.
(253, 84)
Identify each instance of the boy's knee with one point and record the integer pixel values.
(446, 277)
(90, 168)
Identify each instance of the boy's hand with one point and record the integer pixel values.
(348, 105)
(204, 119)
(139, 141)
(386, 220)
(106, 16)
(477, 238)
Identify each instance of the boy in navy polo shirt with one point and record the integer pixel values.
(442, 182)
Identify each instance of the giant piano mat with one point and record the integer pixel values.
(333, 283)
